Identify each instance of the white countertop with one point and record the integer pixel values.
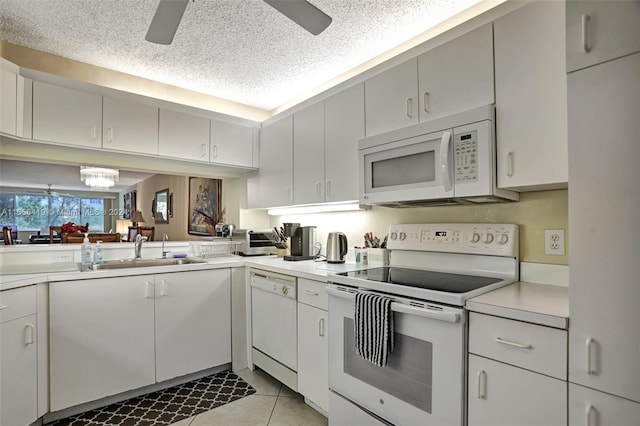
(310, 269)
(531, 302)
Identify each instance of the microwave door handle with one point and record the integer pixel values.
(444, 161)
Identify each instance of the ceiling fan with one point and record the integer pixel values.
(169, 14)
(50, 192)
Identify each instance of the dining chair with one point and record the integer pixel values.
(6, 235)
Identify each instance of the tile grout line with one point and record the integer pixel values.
(274, 405)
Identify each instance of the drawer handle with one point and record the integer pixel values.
(29, 334)
(311, 293)
(3, 307)
(512, 343)
(482, 379)
(588, 344)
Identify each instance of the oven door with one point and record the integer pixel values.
(416, 168)
(423, 381)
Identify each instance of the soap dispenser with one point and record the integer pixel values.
(97, 253)
(85, 252)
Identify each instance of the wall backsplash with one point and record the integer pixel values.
(535, 212)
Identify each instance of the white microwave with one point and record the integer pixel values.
(449, 160)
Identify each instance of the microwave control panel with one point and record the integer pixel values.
(465, 150)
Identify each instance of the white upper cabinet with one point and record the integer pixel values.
(272, 186)
(343, 127)
(8, 99)
(232, 144)
(457, 75)
(129, 126)
(308, 155)
(531, 97)
(66, 116)
(183, 136)
(599, 31)
(391, 98)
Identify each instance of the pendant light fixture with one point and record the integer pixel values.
(99, 178)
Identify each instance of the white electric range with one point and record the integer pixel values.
(434, 269)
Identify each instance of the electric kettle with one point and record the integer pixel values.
(336, 247)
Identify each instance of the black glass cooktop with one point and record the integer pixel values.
(440, 281)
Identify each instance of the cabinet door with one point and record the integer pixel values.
(391, 98)
(66, 116)
(232, 144)
(308, 155)
(604, 201)
(588, 407)
(101, 338)
(500, 394)
(130, 126)
(343, 126)
(313, 355)
(457, 76)
(531, 97)
(183, 136)
(272, 186)
(8, 100)
(18, 372)
(599, 31)
(193, 322)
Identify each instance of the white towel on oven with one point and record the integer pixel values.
(373, 327)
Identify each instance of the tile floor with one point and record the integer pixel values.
(273, 404)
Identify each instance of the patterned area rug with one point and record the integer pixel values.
(166, 406)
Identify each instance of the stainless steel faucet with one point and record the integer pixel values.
(165, 237)
(138, 246)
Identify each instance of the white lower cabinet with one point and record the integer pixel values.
(18, 357)
(193, 322)
(501, 394)
(111, 335)
(517, 373)
(313, 351)
(589, 407)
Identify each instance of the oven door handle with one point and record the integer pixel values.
(402, 308)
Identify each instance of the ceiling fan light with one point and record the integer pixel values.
(99, 178)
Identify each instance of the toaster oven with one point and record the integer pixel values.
(254, 242)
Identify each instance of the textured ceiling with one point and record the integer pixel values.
(241, 50)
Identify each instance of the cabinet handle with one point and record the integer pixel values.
(215, 151)
(29, 334)
(588, 344)
(92, 132)
(163, 288)
(328, 188)
(425, 98)
(203, 150)
(110, 135)
(289, 193)
(321, 327)
(510, 163)
(587, 414)
(482, 380)
(409, 107)
(3, 307)
(147, 290)
(319, 190)
(311, 293)
(585, 23)
(512, 343)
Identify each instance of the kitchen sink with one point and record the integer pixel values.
(145, 263)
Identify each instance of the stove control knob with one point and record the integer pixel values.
(504, 239)
(488, 238)
(285, 290)
(403, 236)
(394, 235)
(474, 237)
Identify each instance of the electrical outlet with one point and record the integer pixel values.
(554, 242)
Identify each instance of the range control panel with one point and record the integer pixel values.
(496, 239)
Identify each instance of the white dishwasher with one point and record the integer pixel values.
(274, 325)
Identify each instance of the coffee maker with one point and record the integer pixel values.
(301, 241)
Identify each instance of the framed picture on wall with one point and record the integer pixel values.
(205, 205)
(129, 204)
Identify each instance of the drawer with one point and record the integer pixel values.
(534, 347)
(18, 302)
(312, 293)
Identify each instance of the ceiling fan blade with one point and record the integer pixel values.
(302, 13)
(166, 20)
